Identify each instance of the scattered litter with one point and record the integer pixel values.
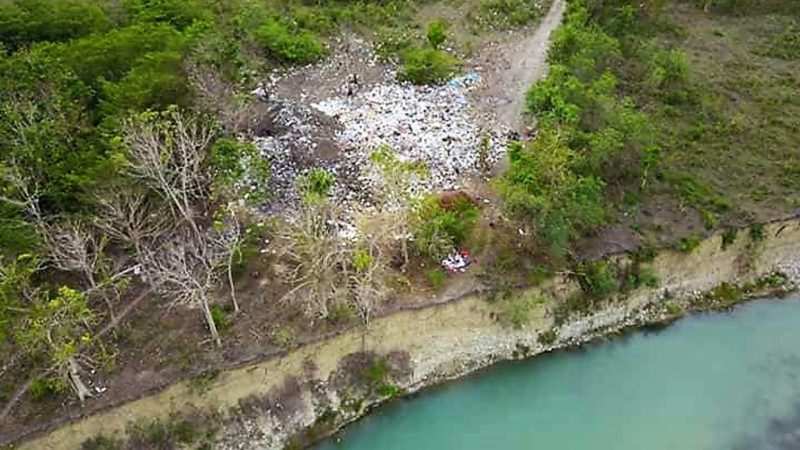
(457, 261)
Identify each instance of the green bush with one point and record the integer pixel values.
(288, 45)
(436, 33)
(44, 388)
(428, 66)
(316, 184)
(757, 232)
(688, 243)
(439, 229)
(729, 237)
(598, 279)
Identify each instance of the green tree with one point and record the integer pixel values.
(24, 22)
(543, 188)
(54, 328)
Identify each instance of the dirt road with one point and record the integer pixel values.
(513, 66)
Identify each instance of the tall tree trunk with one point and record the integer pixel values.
(210, 321)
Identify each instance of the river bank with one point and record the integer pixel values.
(311, 392)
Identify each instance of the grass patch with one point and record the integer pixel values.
(436, 278)
(516, 311)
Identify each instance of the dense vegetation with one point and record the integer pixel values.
(625, 116)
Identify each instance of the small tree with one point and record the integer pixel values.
(53, 329)
(437, 33)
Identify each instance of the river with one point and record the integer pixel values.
(721, 381)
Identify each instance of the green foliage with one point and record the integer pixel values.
(55, 326)
(156, 82)
(439, 228)
(428, 66)
(103, 443)
(316, 185)
(598, 279)
(436, 33)
(23, 22)
(757, 232)
(177, 13)
(112, 55)
(688, 243)
(16, 280)
(641, 277)
(221, 317)
(286, 44)
(284, 337)
(44, 389)
(436, 278)
(729, 237)
(543, 186)
(362, 260)
(239, 170)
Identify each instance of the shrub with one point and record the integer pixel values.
(428, 66)
(439, 229)
(688, 243)
(44, 388)
(547, 337)
(597, 279)
(316, 184)
(729, 237)
(436, 33)
(287, 45)
(102, 443)
(757, 232)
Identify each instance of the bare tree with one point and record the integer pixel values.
(168, 152)
(187, 271)
(127, 215)
(311, 246)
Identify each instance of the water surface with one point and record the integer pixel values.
(723, 381)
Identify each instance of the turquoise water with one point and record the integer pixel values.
(725, 381)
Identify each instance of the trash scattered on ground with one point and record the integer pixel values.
(338, 125)
(457, 261)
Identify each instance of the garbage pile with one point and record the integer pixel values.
(431, 124)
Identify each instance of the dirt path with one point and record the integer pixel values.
(517, 64)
